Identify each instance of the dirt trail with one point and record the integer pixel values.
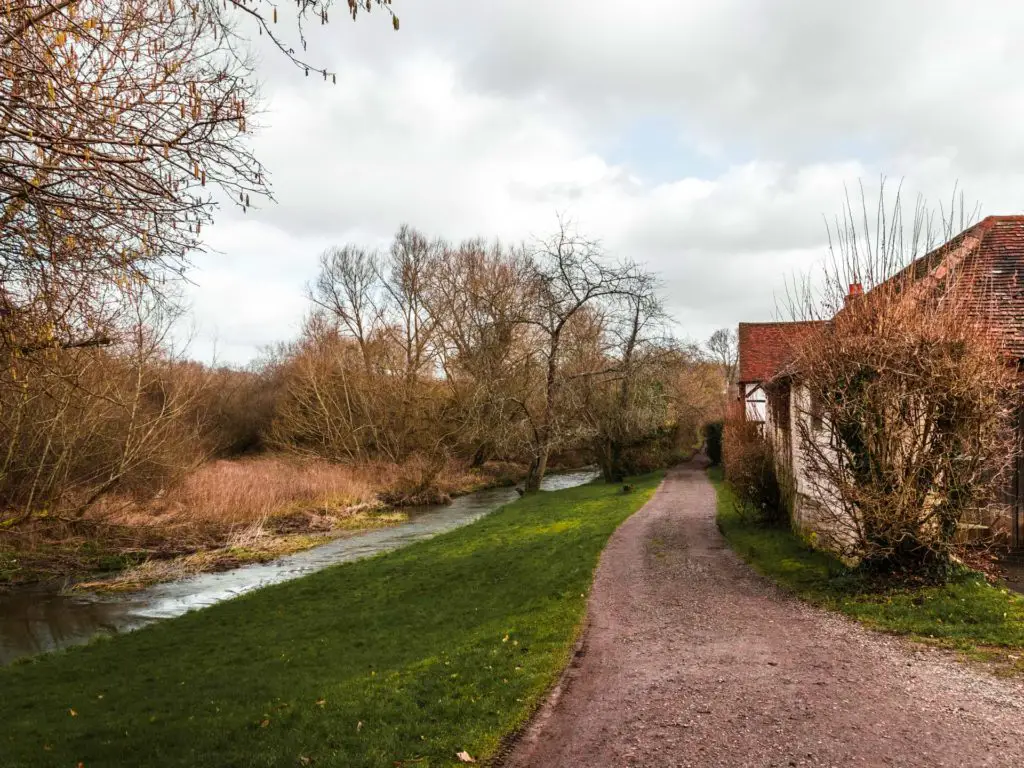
(691, 659)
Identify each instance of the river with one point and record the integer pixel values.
(38, 620)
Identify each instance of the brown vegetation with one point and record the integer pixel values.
(906, 427)
(421, 372)
(919, 406)
(230, 511)
(425, 372)
(750, 469)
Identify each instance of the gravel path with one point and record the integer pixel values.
(691, 659)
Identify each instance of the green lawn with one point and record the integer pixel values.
(968, 614)
(404, 659)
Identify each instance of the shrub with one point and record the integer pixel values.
(750, 470)
(905, 400)
(76, 424)
(917, 404)
(713, 440)
(417, 483)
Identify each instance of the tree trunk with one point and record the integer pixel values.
(610, 460)
(480, 457)
(539, 465)
(603, 450)
(617, 472)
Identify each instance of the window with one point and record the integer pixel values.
(755, 403)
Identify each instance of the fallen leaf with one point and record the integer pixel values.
(264, 724)
(321, 702)
(72, 713)
(303, 760)
(359, 726)
(464, 757)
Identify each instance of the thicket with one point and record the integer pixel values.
(906, 423)
(424, 355)
(751, 471)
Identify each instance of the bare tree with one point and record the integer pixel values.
(904, 401)
(122, 124)
(477, 297)
(482, 351)
(568, 275)
(695, 387)
(868, 244)
(376, 303)
(79, 422)
(724, 347)
(412, 258)
(635, 410)
(348, 288)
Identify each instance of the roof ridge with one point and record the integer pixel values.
(1001, 217)
(782, 322)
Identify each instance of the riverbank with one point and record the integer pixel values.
(408, 658)
(978, 620)
(225, 514)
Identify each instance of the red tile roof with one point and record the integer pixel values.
(990, 255)
(765, 347)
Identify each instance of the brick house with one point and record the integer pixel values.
(989, 255)
(764, 349)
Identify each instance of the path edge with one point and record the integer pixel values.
(546, 705)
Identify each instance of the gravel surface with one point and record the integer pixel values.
(691, 659)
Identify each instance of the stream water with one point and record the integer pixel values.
(38, 620)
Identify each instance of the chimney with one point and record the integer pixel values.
(856, 289)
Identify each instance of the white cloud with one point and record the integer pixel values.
(487, 120)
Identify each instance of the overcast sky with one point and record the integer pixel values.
(706, 140)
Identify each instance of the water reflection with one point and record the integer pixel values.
(33, 621)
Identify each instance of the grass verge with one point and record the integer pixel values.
(980, 620)
(404, 659)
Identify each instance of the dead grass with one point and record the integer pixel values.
(241, 492)
(227, 513)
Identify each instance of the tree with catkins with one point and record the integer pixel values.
(121, 124)
(119, 120)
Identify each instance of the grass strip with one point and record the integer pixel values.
(403, 659)
(981, 620)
